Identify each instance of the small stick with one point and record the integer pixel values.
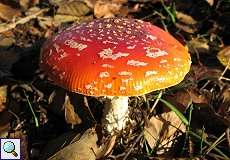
(224, 78)
(221, 76)
(205, 84)
(87, 106)
(214, 144)
(225, 70)
(5, 27)
(156, 101)
(133, 145)
(228, 136)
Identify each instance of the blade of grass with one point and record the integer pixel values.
(187, 128)
(190, 115)
(209, 144)
(202, 140)
(177, 112)
(218, 141)
(32, 110)
(149, 150)
(170, 11)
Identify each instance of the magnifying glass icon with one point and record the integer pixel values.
(9, 147)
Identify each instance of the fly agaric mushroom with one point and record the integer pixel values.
(115, 58)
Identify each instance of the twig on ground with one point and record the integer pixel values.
(87, 106)
(133, 145)
(209, 144)
(5, 27)
(156, 101)
(221, 76)
(213, 145)
(228, 136)
(225, 70)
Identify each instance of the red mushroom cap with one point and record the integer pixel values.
(114, 57)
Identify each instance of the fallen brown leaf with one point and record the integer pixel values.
(5, 26)
(73, 8)
(3, 95)
(224, 56)
(198, 45)
(58, 19)
(186, 28)
(55, 2)
(7, 13)
(107, 147)
(70, 116)
(185, 18)
(202, 72)
(223, 106)
(163, 129)
(46, 22)
(6, 41)
(28, 3)
(226, 95)
(81, 147)
(107, 8)
(119, 1)
(181, 99)
(197, 97)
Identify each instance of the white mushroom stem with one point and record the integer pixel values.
(116, 113)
